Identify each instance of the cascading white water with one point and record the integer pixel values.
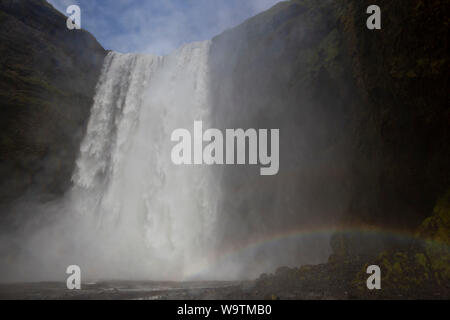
(131, 213)
(147, 214)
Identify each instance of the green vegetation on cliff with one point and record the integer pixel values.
(422, 269)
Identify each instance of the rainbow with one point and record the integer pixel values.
(296, 234)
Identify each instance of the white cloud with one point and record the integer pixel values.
(159, 26)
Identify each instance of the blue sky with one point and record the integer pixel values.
(160, 26)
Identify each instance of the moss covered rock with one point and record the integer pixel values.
(422, 269)
(435, 234)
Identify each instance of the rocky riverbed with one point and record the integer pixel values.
(122, 290)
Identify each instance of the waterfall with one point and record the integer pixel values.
(133, 214)
(146, 213)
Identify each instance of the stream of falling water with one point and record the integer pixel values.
(129, 186)
(139, 215)
(148, 210)
(131, 213)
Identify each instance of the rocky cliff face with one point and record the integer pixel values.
(401, 73)
(285, 69)
(47, 82)
(367, 110)
(368, 113)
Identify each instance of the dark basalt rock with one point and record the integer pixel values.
(401, 165)
(47, 83)
(363, 114)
